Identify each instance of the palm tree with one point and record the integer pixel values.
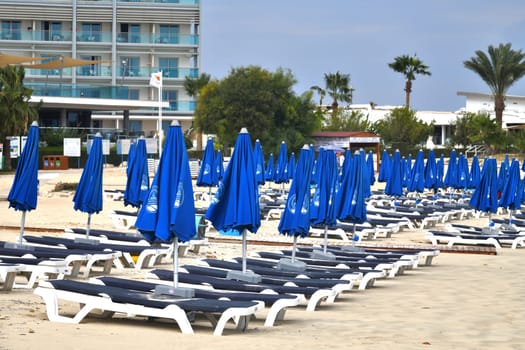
(16, 114)
(339, 89)
(501, 68)
(193, 87)
(409, 66)
(320, 91)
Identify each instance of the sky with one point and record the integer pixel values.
(360, 38)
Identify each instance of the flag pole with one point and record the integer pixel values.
(159, 123)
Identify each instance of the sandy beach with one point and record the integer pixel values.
(461, 301)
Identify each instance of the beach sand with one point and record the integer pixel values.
(461, 301)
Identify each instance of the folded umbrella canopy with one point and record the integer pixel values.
(510, 196)
(295, 220)
(207, 177)
(451, 178)
(371, 169)
(88, 195)
(384, 167)
(474, 174)
(137, 182)
(24, 191)
(291, 166)
(485, 197)
(394, 185)
(169, 211)
(259, 162)
(323, 208)
(416, 181)
(351, 196)
(430, 171)
(236, 203)
(281, 168)
(219, 166)
(270, 168)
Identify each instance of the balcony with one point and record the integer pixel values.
(101, 37)
(184, 2)
(98, 91)
(36, 35)
(173, 39)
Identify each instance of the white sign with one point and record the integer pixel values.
(15, 146)
(71, 147)
(105, 147)
(123, 146)
(364, 139)
(152, 145)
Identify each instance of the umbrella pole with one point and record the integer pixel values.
(353, 237)
(22, 225)
(294, 247)
(175, 262)
(88, 225)
(325, 243)
(243, 251)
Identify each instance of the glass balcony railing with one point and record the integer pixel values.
(106, 72)
(176, 73)
(100, 37)
(173, 39)
(98, 91)
(78, 90)
(185, 2)
(55, 72)
(36, 35)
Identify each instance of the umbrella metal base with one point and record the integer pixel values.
(351, 248)
(509, 227)
(17, 245)
(247, 276)
(165, 291)
(87, 240)
(320, 255)
(289, 265)
(489, 231)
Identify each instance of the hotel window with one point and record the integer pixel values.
(169, 34)
(11, 30)
(135, 127)
(169, 67)
(129, 33)
(92, 69)
(171, 97)
(52, 31)
(130, 67)
(91, 31)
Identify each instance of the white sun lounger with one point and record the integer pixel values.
(111, 300)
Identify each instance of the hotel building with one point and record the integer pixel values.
(94, 60)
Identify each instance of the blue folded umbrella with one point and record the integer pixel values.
(394, 183)
(281, 168)
(137, 182)
(208, 177)
(169, 211)
(259, 162)
(295, 220)
(24, 191)
(88, 195)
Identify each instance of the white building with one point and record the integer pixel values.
(95, 59)
(513, 116)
